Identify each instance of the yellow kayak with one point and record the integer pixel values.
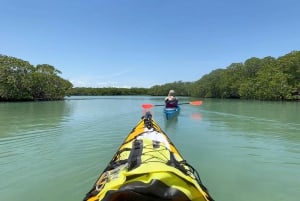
(148, 167)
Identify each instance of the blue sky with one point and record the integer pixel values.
(141, 43)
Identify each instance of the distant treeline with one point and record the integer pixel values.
(268, 78)
(107, 91)
(21, 81)
(181, 88)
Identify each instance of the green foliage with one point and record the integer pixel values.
(290, 65)
(20, 81)
(209, 85)
(47, 69)
(88, 91)
(14, 74)
(261, 79)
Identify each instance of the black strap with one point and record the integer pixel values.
(174, 163)
(134, 159)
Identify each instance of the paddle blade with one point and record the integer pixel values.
(196, 103)
(147, 106)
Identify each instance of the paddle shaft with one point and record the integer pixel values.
(177, 104)
(196, 103)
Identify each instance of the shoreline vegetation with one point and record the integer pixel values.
(269, 78)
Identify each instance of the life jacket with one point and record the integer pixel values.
(171, 103)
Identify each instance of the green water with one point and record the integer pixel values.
(243, 150)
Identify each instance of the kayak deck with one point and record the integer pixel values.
(147, 166)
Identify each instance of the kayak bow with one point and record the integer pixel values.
(148, 167)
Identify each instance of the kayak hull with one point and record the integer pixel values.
(146, 167)
(171, 112)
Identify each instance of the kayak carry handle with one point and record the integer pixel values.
(102, 181)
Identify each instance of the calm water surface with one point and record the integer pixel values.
(243, 150)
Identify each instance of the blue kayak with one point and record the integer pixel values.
(171, 112)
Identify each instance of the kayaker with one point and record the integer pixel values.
(171, 101)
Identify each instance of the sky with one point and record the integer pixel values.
(142, 43)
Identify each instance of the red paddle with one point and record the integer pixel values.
(149, 105)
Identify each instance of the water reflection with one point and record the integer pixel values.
(19, 118)
(170, 123)
(196, 116)
(257, 119)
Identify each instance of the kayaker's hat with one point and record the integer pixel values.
(171, 92)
